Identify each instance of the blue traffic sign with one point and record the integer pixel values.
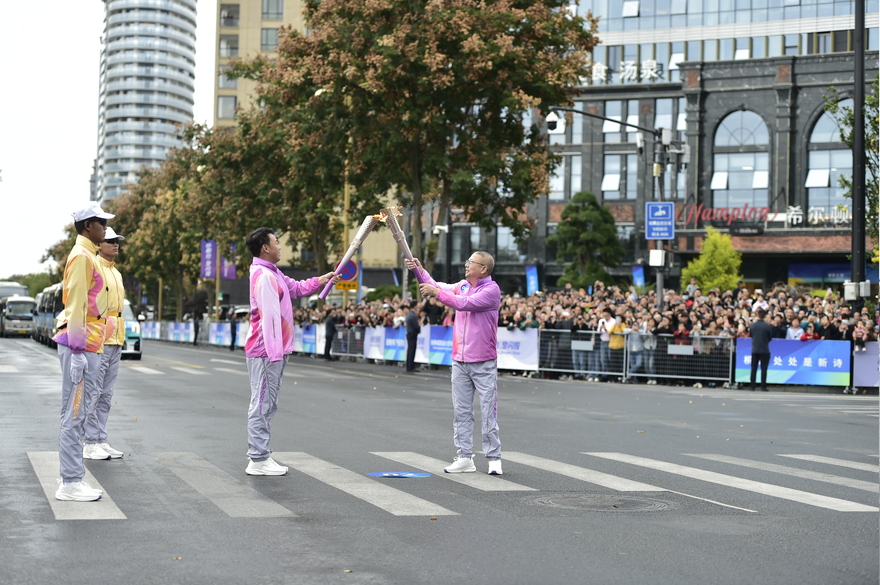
(349, 271)
(660, 221)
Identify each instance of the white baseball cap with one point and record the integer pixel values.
(90, 210)
(109, 234)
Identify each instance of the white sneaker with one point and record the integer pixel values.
(461, 465)
(114, 453)
(78, 491)
(94, 452)
(495, 467)
(266, 467)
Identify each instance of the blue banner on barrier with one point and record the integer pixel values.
(440, 346)
(395, 344)
(531, 280)
(309, 332)
(813, 363)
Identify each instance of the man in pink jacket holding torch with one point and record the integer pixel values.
(269, 341)
(476, 301)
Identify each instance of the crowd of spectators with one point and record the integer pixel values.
(686, 316)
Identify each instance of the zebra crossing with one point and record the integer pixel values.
(236, 496)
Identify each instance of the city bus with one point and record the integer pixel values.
(17, 314)
(51, 304)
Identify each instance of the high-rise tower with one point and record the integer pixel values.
(146, 87)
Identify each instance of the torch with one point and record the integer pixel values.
(369, 223)
(389, 216)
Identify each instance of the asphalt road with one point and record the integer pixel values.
(603, 483)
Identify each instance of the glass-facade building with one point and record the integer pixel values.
(742, 87)
(146, 87)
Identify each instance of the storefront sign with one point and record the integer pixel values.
(693, 214)
(746, 230)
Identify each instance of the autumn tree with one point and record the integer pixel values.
(718, 264)
(587, 234)
(432, 96)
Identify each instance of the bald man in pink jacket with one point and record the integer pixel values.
(476, 300)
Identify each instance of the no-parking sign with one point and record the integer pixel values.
(349, 271)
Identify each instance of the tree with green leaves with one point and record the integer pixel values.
(430, 97)
(587, 236)
(846, 120)
(717, 266)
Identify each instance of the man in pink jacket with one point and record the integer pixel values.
(476, 301)
(269, 341)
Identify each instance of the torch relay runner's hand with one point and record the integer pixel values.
(328, 277)
(77, 367)
(413, 264)
(428, 291)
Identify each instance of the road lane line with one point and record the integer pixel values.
(833, 461)
(145, 370)
(712, 501)
(227, 493)
(233, 362)
(8, 370)
(740, 483)
(231, 371)
(793, 471)
(46, 466)
(371, 491)
(480, 481)
(588, 475)
(189, 371)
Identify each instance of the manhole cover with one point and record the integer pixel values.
(603, 503)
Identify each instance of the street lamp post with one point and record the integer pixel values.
(663, 145)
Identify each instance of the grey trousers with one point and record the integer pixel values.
(76, 399)
(265, 379)
(99, 410)
(482, 377)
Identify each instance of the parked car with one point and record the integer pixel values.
(133, 340)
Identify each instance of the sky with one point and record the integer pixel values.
(48, 128)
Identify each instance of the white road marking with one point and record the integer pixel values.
(838, 462)
(233, 362)
(371, 491)
(46, 466)
(145, 370)
(480, 481)
(588, 475)
(793, 471)
(186, 370)
(8, 369)
(740, 483)
(227, 493)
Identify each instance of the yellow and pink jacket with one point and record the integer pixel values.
(114, 298)
(82, 325)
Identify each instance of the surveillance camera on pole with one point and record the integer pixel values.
(552, 119)
(640, 142)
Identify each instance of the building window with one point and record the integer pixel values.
(569, 170)
(229, 14)
(224, 82)
(627, 236)
(741, 161)
(268, 39)
(611, 130)
(226, 107)
(829, 159)
(273, 9)
(630, 8)
(507, 248)
(465, 241)
(228, 46)
(620, 180)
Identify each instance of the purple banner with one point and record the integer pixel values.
(227, 267)
(209, 259)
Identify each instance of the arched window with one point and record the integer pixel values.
(741, 161)
(829, 159)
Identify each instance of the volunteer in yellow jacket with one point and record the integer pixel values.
(80, 342)
(111, 301)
